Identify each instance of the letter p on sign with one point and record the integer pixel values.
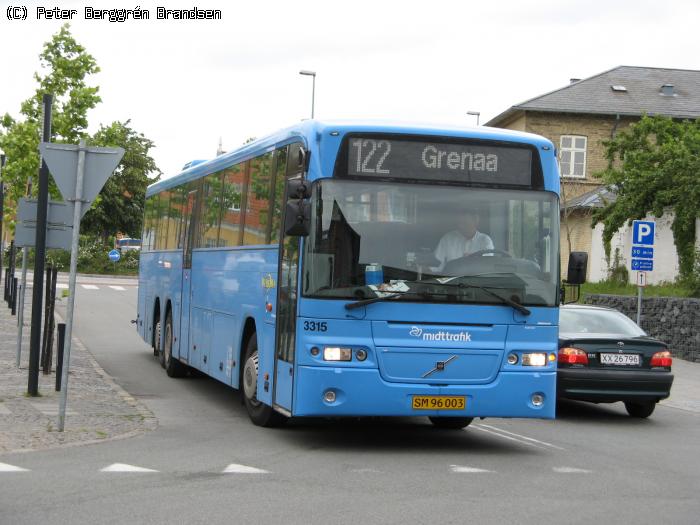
(643, 233)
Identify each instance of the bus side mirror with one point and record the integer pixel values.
(578, 264)
(297, 218)
(298, 188)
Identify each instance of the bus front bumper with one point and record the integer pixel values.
(363, 392)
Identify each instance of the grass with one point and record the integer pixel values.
(100, 434)
(655, 290)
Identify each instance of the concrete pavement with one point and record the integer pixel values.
(98, 408)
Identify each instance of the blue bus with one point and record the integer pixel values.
(362, 269)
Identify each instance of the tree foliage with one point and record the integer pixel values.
(653, 165)
(120, 205)
(66, 65)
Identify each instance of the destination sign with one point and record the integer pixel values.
(439, 161)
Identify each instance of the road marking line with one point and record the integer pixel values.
(521, 436)
(4, 467)
(365, 471)
(235, 468)
(62, 286)
(119, 288)
(90, 287)
(522, 442)
(123, 467)
(571, 470)
(467, 470)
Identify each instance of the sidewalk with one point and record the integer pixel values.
(98, 409)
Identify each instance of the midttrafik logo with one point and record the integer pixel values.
(440, 336)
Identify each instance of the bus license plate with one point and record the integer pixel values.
(439, 402)
(620, 359)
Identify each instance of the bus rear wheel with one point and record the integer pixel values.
(259, 413)
(454, 423)
(173, 367)
(156, 338)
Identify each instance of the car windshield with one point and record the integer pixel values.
(431, 243)
(592, 321)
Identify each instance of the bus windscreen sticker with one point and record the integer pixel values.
(449, 162)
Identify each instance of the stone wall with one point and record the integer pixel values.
(674, 320)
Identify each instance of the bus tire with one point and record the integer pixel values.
(454, 423)
(173, 367)
(156, 337)
(259, 413)
(640, 409)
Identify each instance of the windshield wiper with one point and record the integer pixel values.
(510, 302)
(362, 302)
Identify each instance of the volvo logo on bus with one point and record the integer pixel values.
(439, 366)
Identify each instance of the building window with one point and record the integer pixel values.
(572, 159)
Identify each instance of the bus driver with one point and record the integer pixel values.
(463, 241)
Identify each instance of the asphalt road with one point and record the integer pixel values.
(593, 464)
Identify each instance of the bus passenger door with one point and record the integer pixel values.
(190, 216)
(286, 322)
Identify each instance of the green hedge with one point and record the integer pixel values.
(92, 258)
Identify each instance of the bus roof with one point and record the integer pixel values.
(310, 132)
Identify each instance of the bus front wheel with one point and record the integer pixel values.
(454, 423)
(259, 413)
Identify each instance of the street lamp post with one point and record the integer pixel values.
(476, 114)
(312, 74)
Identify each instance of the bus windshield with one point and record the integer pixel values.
(431, 243)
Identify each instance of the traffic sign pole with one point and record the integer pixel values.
(39, 256)
(77, 211)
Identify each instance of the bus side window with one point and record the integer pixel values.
(209, 212)
(232, 198)
(278, 188)
(257, 213)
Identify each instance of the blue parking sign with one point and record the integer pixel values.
(643, 233)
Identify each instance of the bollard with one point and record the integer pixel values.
(47, 306)
(14, 296)
(59, 354)
(51, 322)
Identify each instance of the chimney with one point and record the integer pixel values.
(574, 80)
(667, 90)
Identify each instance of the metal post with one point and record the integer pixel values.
(77, 209)
(52, 322)
(13, 303)
(313, 95)
(47, 305)
(2, 208)
(639, 304)
(59, 354)
(20, 316)
(40, 254)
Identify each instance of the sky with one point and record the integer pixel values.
(186, 84)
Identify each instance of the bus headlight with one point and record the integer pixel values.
(535, 359)
(337, 353)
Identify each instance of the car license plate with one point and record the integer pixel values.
(439, 402)
(620, 359)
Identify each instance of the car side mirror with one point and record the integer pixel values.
(578, 265)
(297, 218)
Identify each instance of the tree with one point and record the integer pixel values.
(653, 165)
(120, 205)
(67, 65)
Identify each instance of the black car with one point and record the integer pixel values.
(605, 357)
